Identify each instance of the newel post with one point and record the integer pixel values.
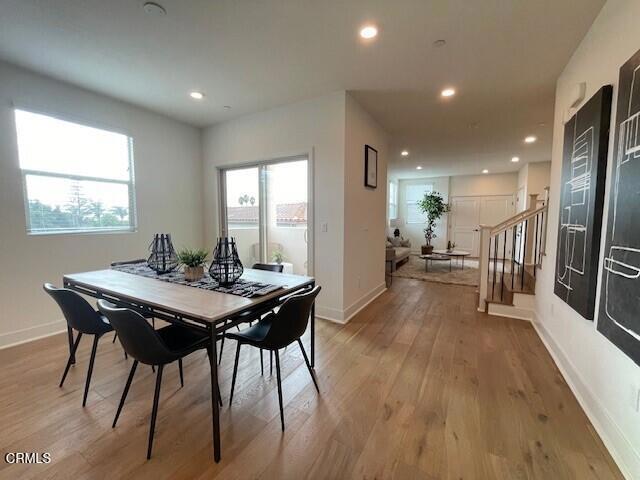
(528, 254)
(483, 259)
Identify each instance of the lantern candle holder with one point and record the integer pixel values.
(163, 258)
(226, 267)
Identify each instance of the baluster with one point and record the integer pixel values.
(524, 254)
(535, 250)
(504, 254)
(495, 262)
(513, 253)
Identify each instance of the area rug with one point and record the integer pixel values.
(439, 271)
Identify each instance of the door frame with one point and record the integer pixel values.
(223, 228)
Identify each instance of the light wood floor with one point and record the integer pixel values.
(418, 385)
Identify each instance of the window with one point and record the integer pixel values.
(76, 178)
(415, 193)
(393, 201)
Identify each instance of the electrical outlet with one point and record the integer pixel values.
(324, 227)
(637, 402)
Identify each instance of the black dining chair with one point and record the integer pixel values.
(80, 316)
(131, 262)
(269, 267)
(276, 331)
(153, 347)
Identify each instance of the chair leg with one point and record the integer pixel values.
(125, 392)
(235, 373)
(71, 360)
(154, 411)
(153, 368)
(181, 374)
(217, 386)
(115, 337)
(279, 389)
(221, 348)
(270, 362)
(306, 360)
(261, 363)
(90, 371)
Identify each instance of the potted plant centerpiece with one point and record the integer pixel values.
(193, 261)
(277, 256)
(434, 207)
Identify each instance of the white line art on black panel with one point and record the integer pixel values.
(576, 202)
(622, 263)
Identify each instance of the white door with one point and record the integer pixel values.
(467, 213)
(465, 218)
(495, 210)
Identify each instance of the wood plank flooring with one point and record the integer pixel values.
(418, 385)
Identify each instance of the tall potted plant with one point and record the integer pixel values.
(433, 206)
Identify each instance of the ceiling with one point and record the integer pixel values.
(502, 56)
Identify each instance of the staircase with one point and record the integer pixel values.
(510, 257)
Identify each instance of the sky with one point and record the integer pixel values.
(49, 144)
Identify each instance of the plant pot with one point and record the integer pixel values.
(193, 274)
(427, 249)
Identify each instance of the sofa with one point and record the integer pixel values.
(397, 252)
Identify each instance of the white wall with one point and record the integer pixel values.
(482, 185)
(364, 211)
(604, 379)
(415, 231)
(315, 127)
(168, 196)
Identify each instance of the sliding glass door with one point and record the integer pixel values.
(266, 208)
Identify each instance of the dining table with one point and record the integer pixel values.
(208, 311)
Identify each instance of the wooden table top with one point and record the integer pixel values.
(197, 303)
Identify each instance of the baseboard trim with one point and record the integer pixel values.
(618, 445)
(343, 316)
(25, 335)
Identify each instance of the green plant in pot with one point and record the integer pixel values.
(277, 256)
(193, 260)
(434, 207)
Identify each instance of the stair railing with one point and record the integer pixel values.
(508, 248)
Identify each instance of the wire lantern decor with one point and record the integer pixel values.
(163, 258)
(226, 267)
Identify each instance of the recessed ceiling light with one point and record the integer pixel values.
(439, 43)
(154, 8)
(404, 153)
(369, 31)
(515, 159)
(448, 92)
(530, 139)
(418, 167)
(485, 171)
(227, 107)
(196, 95)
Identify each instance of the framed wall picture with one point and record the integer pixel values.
(584, 166)
(370, 167)
(618, 318)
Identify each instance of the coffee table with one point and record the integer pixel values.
(434, 256)
(457, 254)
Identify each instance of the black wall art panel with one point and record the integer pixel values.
(619, 315)
(584, 166)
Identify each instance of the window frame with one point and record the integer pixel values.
(130, 183)
(393, 200)
(415, 202)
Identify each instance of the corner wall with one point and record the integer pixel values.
(167, 161)
(603, 378)
(364, 211)
(315, 127)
